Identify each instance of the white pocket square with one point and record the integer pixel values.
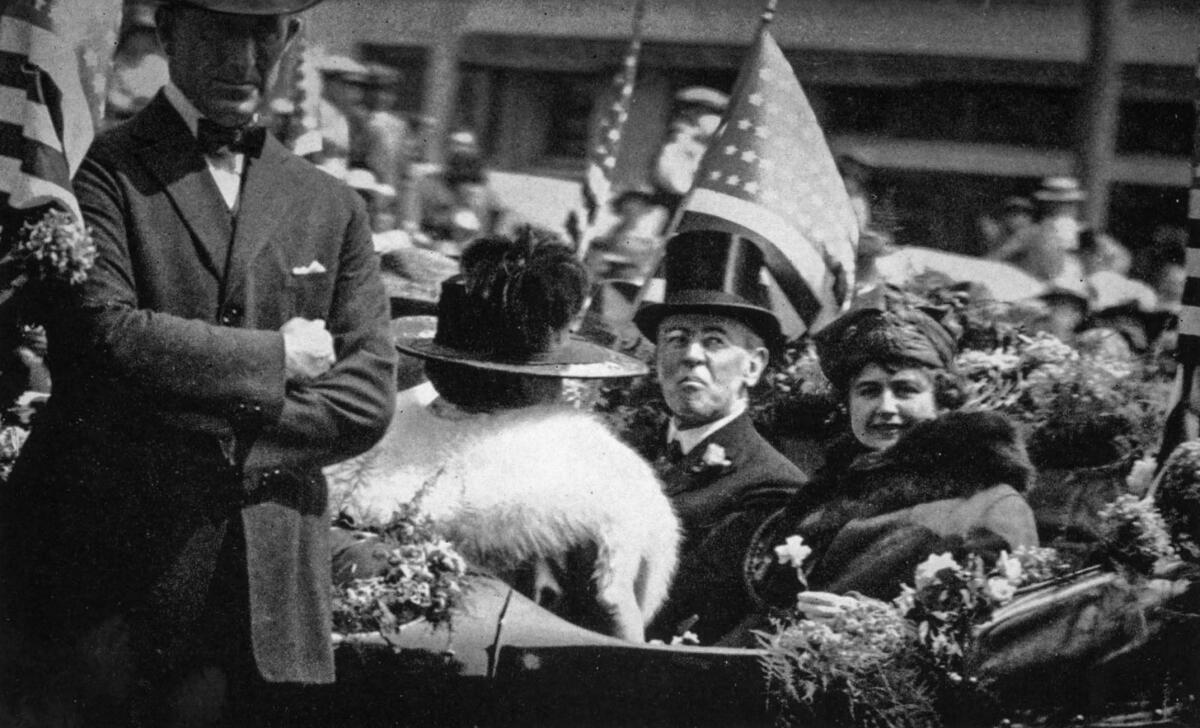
(312, 268)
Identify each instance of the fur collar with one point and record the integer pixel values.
(953, 456)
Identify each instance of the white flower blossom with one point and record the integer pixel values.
(1000, 590)
(928, 570)
(1009, 567)
(793, 552)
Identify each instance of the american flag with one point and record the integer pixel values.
(55, 56)
(1181, 423)
(1188, 351)
(605, 142)
(768, 175)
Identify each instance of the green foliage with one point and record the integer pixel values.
(862, 668)
(1178, 498)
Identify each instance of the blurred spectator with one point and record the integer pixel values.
(1101, 252)
(139, 65)
(1049, 249)
(339, 112)
(875, 233)
(457, 205)
(1161, 264)
(388, 139)
(1066, 304)
(631, 247)
(694, 119)
(1012, 218)
(378, 196)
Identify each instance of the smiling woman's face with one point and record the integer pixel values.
(886, 402)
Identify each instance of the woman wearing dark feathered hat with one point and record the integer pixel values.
(521, 483)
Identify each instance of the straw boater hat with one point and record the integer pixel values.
(509, 311)
(716, 273)
(1060, 189)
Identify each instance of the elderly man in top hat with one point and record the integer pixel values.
(713, 334)
(232, 339)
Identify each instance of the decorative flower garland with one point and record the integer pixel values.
(904, 663)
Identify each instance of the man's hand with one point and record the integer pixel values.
(308, 348)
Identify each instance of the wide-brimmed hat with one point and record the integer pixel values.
(459, 338)
(510, 310)
(1060, 189)
(249, 7)
(713, 272)
(364, 179)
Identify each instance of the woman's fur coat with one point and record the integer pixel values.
(953, 484)
(546, 498)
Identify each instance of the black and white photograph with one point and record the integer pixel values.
(599, 363)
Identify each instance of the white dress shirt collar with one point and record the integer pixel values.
(226, 169)
(691, 437)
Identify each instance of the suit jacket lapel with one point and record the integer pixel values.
(261, 208)
(173, 157)
(691, 473)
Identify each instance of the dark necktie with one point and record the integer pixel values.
(215, 139)
(674, 452)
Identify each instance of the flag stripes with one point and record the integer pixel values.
(1188, 351)
(604, 146)
(54, 58)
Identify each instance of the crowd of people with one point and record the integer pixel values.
(166, 536)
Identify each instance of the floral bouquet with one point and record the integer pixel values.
(56, 251)
(950, 599)
(424, 578)
(1133, 534)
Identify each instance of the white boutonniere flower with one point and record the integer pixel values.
(714, 459)
(793, 552)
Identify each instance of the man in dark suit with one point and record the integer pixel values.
(167, 517)
(713, 334)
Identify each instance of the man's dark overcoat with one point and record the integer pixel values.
(704, 492)
(172, 429)
(757, 480)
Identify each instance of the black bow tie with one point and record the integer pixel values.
(215, 139)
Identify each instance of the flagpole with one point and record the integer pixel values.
(764, 20)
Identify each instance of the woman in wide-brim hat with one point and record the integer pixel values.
(512, 475)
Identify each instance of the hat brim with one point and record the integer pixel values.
(241, 7)
(577, 358)
(1070, 196)
(761, 321)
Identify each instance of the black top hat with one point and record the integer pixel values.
(709, 271)
(249, 7)
(510, 311)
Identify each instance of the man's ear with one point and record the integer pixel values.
(756, 364)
